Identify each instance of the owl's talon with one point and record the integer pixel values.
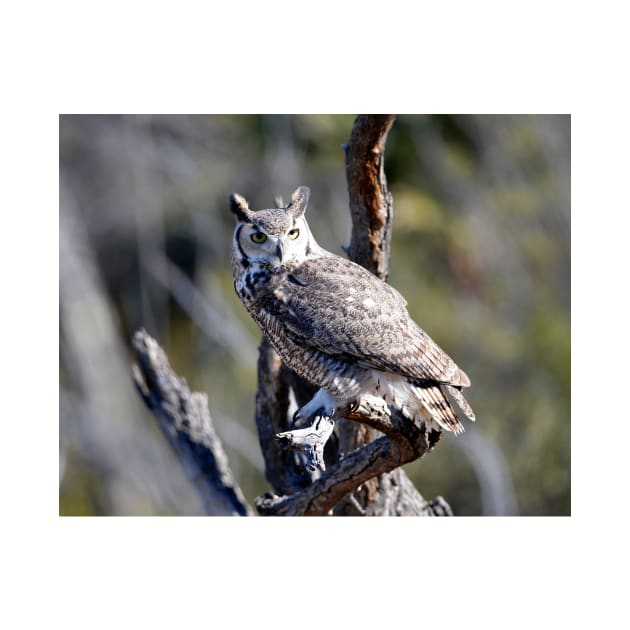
(301, 419)
(296, 419)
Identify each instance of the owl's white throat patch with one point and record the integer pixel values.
(250, 280)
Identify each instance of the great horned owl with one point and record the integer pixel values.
(336, 324)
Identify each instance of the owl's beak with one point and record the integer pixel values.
(280, 251)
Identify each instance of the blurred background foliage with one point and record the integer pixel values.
(480, 249)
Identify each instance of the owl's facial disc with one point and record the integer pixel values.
(284, 243)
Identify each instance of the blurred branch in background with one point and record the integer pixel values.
(212, 315)
(101, 424)
(480, 249)
(493, 474)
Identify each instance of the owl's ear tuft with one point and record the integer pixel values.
(239, 206)
(299, 201)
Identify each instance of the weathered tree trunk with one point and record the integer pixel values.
(371, 204)
(371, 209)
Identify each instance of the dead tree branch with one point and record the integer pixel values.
(364, 461)
(185, 420)
(403, 442)
(310, 440)
(371, 204)
(371, 210)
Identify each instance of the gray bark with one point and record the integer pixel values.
(371, 210)
(371, 204)
(185, 420)
(403, 442)
(283, 469)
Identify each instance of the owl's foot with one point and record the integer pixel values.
(302, 417)
(310, 440)
(322, 404)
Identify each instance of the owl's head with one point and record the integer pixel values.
(278, 236)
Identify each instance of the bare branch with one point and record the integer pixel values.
(342, 478)
(371, 204)
(371, 210)
(185, 420)
(403, 442)
(212, 315)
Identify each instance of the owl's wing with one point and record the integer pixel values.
(341, 309)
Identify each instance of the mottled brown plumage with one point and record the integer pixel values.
(336, 324)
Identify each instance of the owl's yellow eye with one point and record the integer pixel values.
(258, 237)
(294, 233)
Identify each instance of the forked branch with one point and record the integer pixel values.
(403, 442)
(371, 210)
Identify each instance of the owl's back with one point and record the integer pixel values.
(340, 309)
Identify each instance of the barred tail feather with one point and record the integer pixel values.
(454, 395)
(462, 379)
(438, 405)
(439, 408)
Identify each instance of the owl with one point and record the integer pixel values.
(336, 324)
